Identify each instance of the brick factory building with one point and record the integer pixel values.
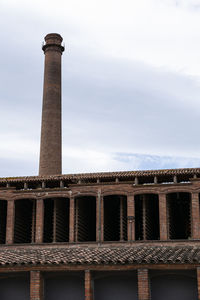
(96, 236)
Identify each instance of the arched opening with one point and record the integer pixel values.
(3, 219)
(147, 217)
(115, 218)
(115, 285)
(85, 219)
(14, 286)
(61, 286)
(179, 215)
(56, 220)
(24, 226)
(174, 285)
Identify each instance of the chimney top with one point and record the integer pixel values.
(53, 39)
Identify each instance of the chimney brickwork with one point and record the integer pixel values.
(51, 139)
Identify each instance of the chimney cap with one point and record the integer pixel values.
(53, 39)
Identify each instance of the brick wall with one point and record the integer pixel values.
(163, 217)
(143, 284)
(10, 222)
(195, 216)
(88, 285)
(36, 285)
(39, 220)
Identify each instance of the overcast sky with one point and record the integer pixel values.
(130, 81)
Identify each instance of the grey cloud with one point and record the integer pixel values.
(130, 105)
(109, 105)
(150, 162)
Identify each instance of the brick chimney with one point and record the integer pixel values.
(51, 139)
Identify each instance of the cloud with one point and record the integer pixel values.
(130, 83)
(185, 4)
(140, 162)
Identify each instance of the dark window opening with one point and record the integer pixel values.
(61, 286)
(18, 185)
(85, 219)
(48, 220)
(53, 184)
(3, 185)
(164, 179)
(3, 219)
(173, 285)
(32, 185)
(115, 285)
(146, 180)
(56, 220)
(184, 178)
(179, 215)
(115, 218)
(14, 286)
(147, 217)
(24, 228)
(61, 220)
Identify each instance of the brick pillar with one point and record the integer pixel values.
(144, 215)
(195, 216)
(163, 217)
(198, 282)
(98, 217)
(131, 218)
(51, 140)
(71, 219)
(36, 286)
(88, 285)
(10, 222)
(121, 218)
(102, 218)
(143, 285)
(39, 221)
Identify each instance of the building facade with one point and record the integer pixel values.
(96, 236)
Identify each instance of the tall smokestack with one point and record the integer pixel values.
(51, 139)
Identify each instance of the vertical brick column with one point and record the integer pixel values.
(121, 219)
(198, 282)
(51, 140)
(39, 221)
(71, 219)
(144, 217)
(143, 284)
(102, 218)
(131, 218)
(195, 216)
(163, 217)
(36, 286)
(88, 285)
(98, 217)
(10, 222)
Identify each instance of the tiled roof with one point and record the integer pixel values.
(104, 175)
(101, 255)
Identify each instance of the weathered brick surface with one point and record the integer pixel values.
(198, 282)
(50, 147)
(131, 218)
(143, 284)
(36, 285)
(88, 285)
(98, 217)
(195, 216)
(39, 220)
(163, 217)
(10, 222)
(102, 219)
(71, 219)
